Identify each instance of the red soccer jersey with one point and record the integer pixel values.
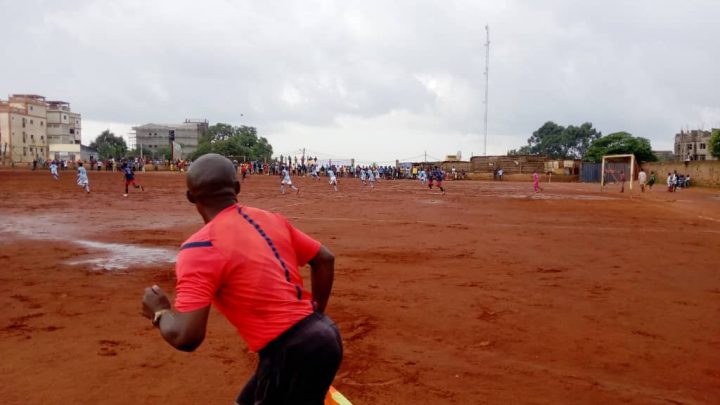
(246, 262)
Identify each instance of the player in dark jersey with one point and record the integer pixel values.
(130, 178)
(437, 175)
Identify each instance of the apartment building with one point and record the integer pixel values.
(63, 125)
(693, 145)
(23, 129)
(155, 136)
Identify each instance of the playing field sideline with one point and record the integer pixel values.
(488, 294)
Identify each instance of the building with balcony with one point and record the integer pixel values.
(63, 125)
(23, 129)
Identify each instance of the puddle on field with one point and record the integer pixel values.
(102, 255)
(121, 256)
(543, 196)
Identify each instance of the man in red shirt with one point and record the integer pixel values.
(245, 261)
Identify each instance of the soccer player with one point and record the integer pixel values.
(54, 170)
(246, 262)
(130, 178)
(371, 177)
(243, 171)
(314, 173)
(82, 178)
(363, 175)
(642, 177)
(536, 182)
(422, 176)
(438, 175)
(622, 181)
(286, 181)
(652, 180)
(333, 179)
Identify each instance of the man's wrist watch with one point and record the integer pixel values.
(158, 315)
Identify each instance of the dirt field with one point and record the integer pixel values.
(489, 294)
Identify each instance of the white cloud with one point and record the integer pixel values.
(91, 129)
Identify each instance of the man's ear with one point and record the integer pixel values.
(190, 197)
(237, 187)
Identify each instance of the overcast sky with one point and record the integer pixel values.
(374, 80)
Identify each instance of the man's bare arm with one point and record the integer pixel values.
(321, 277)
(183, 330)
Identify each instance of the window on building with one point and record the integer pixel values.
(42, 138)
(64, 117)
(24, 151)
(31, 108)
(32, 137)
(702, 146)
(31, 122)
(24, 121)
(41, 123)
(701, 157)
(24, 137)
(689, 146)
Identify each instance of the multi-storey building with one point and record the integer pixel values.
(32, 128)
(693, 145)
(23, 129)
(152, 137)
(63, 125)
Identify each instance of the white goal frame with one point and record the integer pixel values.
(629, 179)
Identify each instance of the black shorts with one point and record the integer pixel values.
(298, 366)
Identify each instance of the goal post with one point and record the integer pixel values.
(613, 165)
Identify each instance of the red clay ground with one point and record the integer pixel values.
(489, 294)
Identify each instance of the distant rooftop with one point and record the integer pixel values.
(188, 124)
(160, 126)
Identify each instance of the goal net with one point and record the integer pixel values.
(615, 167)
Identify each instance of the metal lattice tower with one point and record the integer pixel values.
(487, 82)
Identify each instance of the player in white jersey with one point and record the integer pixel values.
(363, 176)
(314, 173)
(54, 170)
(82, 178)
(286, 181)
(371, 178)
(333, 178)
(422, 176)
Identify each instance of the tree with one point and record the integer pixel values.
(109, 146)
(548, 140)
(620, 143)
(580, 138)
(523, 150)
(135, 153)
(558, 142)
(715, 143)
(162, 153)
(233, 141)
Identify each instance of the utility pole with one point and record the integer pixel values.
(487, 82)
